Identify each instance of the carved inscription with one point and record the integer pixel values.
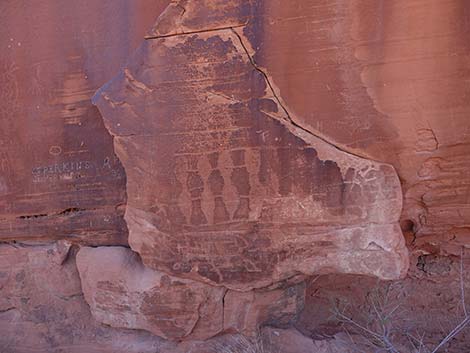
(70, 170)
(58, 171)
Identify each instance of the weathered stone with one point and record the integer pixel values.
(227, 343)
(432, 290)
(369, 85)
(225, 100)
(273, 341)
(123, 293)
(188, 16)
(245, 312)
(224, 187)
(385, 83)
(42, 307)
(59, 176)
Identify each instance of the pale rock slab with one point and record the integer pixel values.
(292, 341)
(123, 293)
(42, 308)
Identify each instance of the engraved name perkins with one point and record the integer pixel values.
(68, 170)
(59, 169)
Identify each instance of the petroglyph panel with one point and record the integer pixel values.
(224, 188)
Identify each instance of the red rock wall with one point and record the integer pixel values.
(385, 80)
(59, 176)
(341, 85)
(224, 187)
(56, 157)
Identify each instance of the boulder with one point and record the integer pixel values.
(123, 293)
(42, 308)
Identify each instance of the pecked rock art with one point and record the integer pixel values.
(223, 186)
(381, 82)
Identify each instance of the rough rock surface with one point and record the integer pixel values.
(273, 341)
(382, 79)
(386, 80)
(311, 83)
(59, 176)
(222, 185)
(123, 293)
(428, 302)
(292, 341)
(245, 312)
(42, 308)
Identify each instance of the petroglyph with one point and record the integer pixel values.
(223, 187)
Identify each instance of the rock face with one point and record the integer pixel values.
(223, 186)
(379, 81)
(42, 308)
(257, 143)
(385, 80)
(245, 312)
(59, 176)
(123, 293)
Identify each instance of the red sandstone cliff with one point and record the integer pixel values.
(244, 159)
